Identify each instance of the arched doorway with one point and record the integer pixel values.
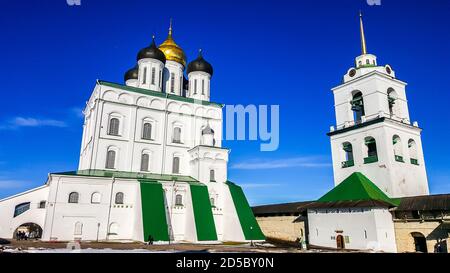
(420, 242)
(340, 242)
(28, 231)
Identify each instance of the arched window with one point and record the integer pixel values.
(212, 177)
(176, 165)
(21, 208)
(110, 159)
(78, 230)
(73, 197)
(357, 107)
(153, 75)
(42, 204)
(178, 200)
(176, 135)
(113, 229)
(113, 127)
(212, 202)
(96, 198)
(172, 82)
(144, 76)
(412, 149)
(348, 155)
(203, 87)
(398, 151)
(145, 159)
(394, 109)
(119, 198)
(147, 131)
(371, 147)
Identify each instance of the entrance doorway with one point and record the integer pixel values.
(420, 242)
(340, 242)
(28, 231)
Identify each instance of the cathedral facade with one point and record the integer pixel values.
(151, 168)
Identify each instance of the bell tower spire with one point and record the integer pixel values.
(363, 38)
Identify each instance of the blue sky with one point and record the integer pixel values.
(288, 53)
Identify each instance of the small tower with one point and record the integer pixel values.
(151, 62)
(173, 82)
(131, 76)
(373, 133)
(199, 74)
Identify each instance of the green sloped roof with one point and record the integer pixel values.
(159, 94)
(132, 175)
(357, 187)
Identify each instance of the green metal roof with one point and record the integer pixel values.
(132, 175)
(357, 187)
(159, 94)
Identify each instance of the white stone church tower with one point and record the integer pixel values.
(374, 134)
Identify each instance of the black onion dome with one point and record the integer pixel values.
(200, 64)
(131, 74)
(152, 52)
(207, 130)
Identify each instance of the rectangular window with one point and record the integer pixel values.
(172, 82)
(181, 85)
(195, 87)
(144, 76)
(153, 75)
(203, 87)
(160, 79)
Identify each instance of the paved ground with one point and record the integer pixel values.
(37, 246)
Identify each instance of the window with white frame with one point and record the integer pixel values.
(73, 197)
(144, 76)
(153, 75)
(119, 198)
(113, 128)
(147, 131)
(110, 159)
(212, 177)
(178, 200)
(176, 135)
(145, 161)
(96, 198)
(172, 82)
(176, 165)
(78, 229)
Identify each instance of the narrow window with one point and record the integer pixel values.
(110, 159)
(21, 208)
(365, 234)
(212, 202)
(176, 135)
(348, 155)
(203, 87)
(114, 127)
(211, 176)
(153, 75)
(144, 77)
(42, 204)
(119, 198)
(176, 165)
(160, 79)
(357, 107)
(195, 87)
(181, 85)
(398, 153)
(78, 230)
(178, 200)
(147, 131)
(172, 82)
(73, 197)
(367, 61)
(145, 158)
(372, 154)
(412, 147)
(96, 198)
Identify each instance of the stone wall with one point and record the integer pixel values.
(281, 227)
(430, 229)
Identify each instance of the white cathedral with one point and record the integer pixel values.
(151, 165)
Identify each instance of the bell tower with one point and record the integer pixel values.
(373, 133)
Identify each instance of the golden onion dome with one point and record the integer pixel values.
(171, 50)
